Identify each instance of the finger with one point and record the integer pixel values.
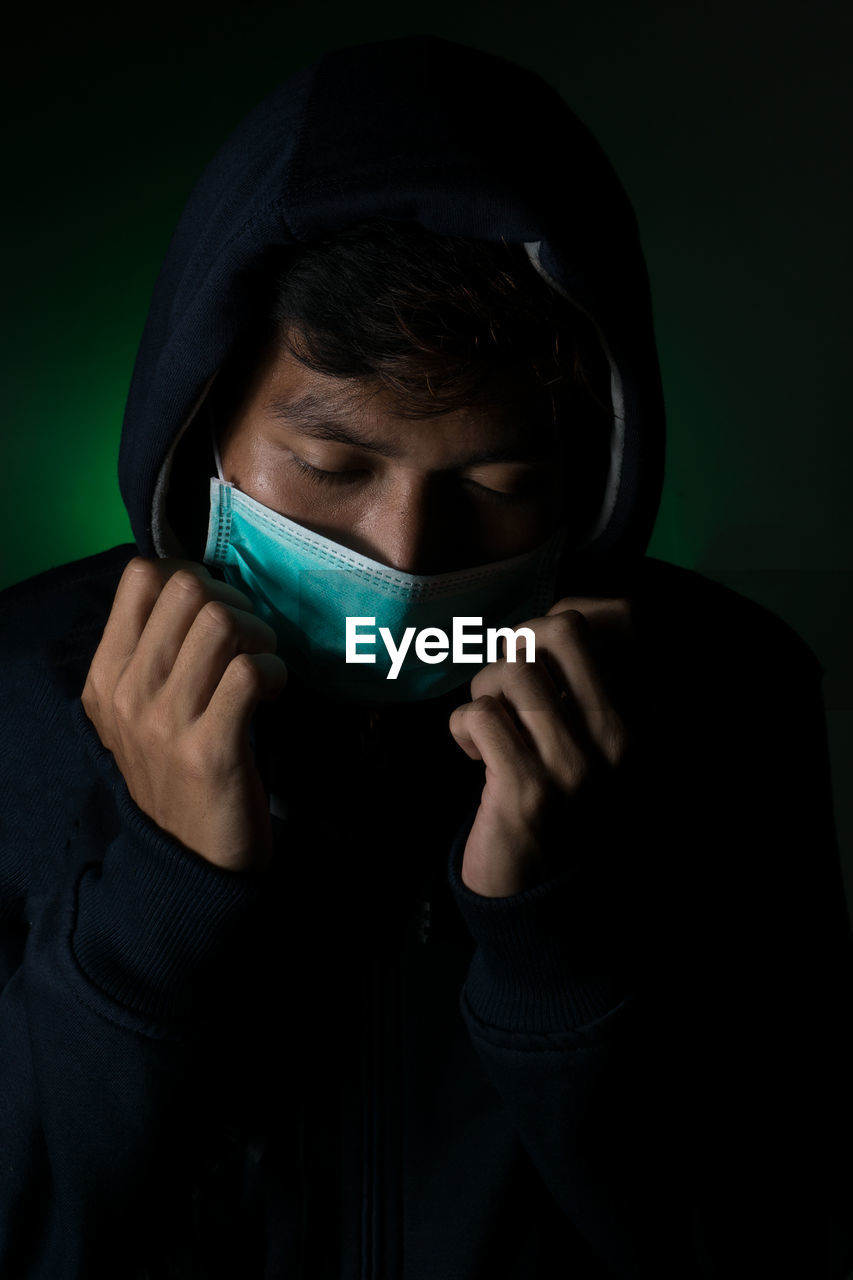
(564, 641)
(136, 596)
(611, 623)
(544, 717)
(485, 731)
(137, 592)
(183, 597)
(606, 615)
(217, 635)
(249, 678)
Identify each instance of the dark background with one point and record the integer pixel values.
(728, 123)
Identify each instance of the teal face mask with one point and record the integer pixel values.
(306, 586)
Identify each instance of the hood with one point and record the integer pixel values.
(420, 129)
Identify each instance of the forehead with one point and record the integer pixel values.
(297, 400)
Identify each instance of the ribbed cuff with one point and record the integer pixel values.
(152, 916)
(538, 967)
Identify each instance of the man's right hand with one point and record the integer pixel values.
(181, 667)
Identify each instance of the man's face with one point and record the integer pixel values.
(421, 495)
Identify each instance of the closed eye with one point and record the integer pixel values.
(526, 493)
(324, 477)
(526, 489)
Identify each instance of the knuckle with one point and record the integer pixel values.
(125, 699)
(531, 793)
(570, 623)
(527, 674)
(156, 725)
(91, 687)
(90, 698)
(91, 702)
(456, 723)
(140, 572)
(485, 708)
(567, 769)
(194, 758)
(486, 679)
(573, 773)
(217, 619)
(245, 674)
(524, 679)
(186, 584)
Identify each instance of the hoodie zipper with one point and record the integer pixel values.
(382, 1055)
(423, 913)
(423, 920)
(371, 1145)
(372, 1118)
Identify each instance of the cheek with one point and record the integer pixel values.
(273, 485)
(267, 473)
(260, 469)
(504, 531)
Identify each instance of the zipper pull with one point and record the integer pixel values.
(422, 923)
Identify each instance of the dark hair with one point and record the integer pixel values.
(435, 323)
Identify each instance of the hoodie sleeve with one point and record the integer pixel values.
(98, 1029)
(685, 1103)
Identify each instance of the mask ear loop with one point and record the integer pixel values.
(214, 440)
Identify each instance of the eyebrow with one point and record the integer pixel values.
(312, 416)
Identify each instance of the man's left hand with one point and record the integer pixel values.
(551, 742)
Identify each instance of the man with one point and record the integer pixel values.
(423, 967)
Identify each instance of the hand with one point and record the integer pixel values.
(551, 742)
(180, 669)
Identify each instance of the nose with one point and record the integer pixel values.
(414, 530)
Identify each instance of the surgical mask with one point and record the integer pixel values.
(306, 586)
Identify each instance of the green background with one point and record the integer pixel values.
(730, 127)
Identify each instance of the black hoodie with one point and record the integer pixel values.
(633, 1069)
(416, 129)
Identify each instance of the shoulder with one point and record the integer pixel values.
(691, 623)
(53, 617)
(50, 626)
(78, 587)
